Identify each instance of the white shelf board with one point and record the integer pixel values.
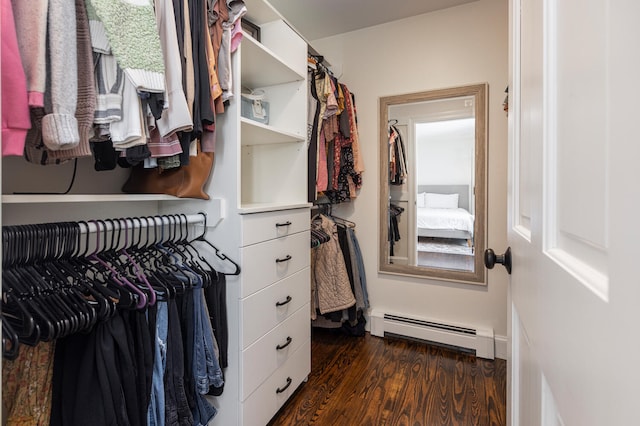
(255, 133)
(261, 67)
(247, 208)
(83, 198)
(260, 12)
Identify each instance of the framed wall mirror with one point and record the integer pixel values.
(433, 154)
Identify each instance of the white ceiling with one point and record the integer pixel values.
(316, 19)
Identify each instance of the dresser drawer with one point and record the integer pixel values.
(267, 308)
(262, 404)
(268, 262)
(273, 350)
(258, 227)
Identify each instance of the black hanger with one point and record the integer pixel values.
(34, 290)
(33, 302)
(174, 257)
(344, 222)
(89, 276)
(136, 271)
(132, 295)
(17, 313)
(44, 296)
(217, 252)
(161, 269)
(82, 298)
(27, 310)
(207, 272)
(10, 341)
(163, 265)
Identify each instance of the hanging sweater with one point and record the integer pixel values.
(15, 109)
(237, 10)
(131, 30)
(59, 125)
(31, 28)
(86, 90)
(176, 116)
(109, 77)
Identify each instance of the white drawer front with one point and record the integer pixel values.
(273, 350)
(260, 407)
(267, 308)
(258, 227)
(268, 262)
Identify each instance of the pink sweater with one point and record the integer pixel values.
(15, 107)
(30, 19)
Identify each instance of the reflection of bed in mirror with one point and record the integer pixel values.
(443, 212)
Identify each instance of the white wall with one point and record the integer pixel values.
(462, 45)
(445, 156)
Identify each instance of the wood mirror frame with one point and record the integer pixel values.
(385, 265)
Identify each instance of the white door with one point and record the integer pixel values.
(574, 212)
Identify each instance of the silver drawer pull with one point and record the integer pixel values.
(280, 390)
(285, 259)
(281, 347)
(287, 223)
(287, 300)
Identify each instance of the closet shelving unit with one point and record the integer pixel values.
(261, 174)
(258, 215)
(273, 156)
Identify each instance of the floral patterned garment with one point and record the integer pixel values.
(26, 386)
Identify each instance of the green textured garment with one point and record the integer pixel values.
(131, 28)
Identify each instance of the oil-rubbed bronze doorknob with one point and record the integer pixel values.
(491, 258)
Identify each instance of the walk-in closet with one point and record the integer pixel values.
(191, 208)
(155, 213)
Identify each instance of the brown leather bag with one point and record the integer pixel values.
(183, 182)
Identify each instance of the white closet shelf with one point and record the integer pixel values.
(84, 198)
(260, 12)
(255, 133)
(248, 208)
(261, 67)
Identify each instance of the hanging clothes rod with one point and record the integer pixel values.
(130, 223)
(42, 241)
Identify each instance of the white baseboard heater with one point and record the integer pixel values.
(479, 341)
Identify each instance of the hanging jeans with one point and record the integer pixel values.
(206, 368)
(207, 373)
(156, 410)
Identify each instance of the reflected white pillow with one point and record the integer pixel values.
(422, 200)
(441, 201)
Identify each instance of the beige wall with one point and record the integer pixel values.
(461, 45)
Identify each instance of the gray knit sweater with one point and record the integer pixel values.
(59, 125)
(86, 91)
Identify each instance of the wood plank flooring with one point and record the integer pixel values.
(373, 381)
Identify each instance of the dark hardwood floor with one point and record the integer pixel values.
(374, 381)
